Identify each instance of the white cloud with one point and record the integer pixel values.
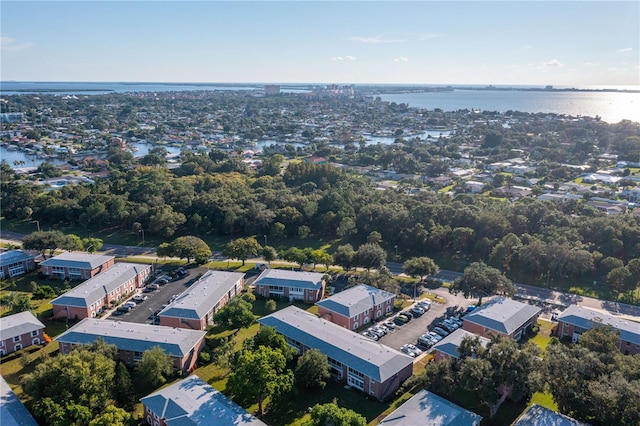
(343, 58)
(10, 44)
(552, 63)
(626, 49)
(401, 59)
(376, 40)
(591, 64)
(526, 47)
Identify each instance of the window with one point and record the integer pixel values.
(16, 268)
(17, 347)
(16, 338)
(355, 325)
(34, 333)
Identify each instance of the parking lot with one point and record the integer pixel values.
(143, 313)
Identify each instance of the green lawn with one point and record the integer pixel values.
(543, 337)
(545, 399)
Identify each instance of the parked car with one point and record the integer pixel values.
(408, 314)
(153, 286)
(162, 281)
(452, 324)
(425, 304)
(376, 332)
(130, 304)
(554, 315)
(456, 320)
(369, 335)
(442, 332)
(124, 309)
(426, 342)
(139, 298)
(407, 350)
(390, 325)
(446, 326)
(417, 311)
(434, 336)
(401, 320)
(413, 348)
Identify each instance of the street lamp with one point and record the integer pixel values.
(396, 247)
(265, 240)
(37, 222)
(142, 231)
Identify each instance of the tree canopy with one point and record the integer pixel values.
(312, 369)
(242, 248)
(235, 314)
(188, 247)
(480, 280)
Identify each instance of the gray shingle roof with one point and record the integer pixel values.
(9, 257)
(355, 300)
(586, 318)
(176, 342)
(193, 402)
(426, 408)
(98, 287)
(12, 410)
(77, 260)
(537, 415)
(202, 295)
(502, 314)
(284, 278)
(373, 359)
(449, 345)
(18, 324)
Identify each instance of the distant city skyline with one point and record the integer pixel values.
(569, 43)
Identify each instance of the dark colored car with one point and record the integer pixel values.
(124, 309)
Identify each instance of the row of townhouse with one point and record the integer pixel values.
(15, 262)
(19, 331)
(306, 287)
(356, 306)
(76, 266)
(576, 320)
(93, 296)
(371, 367)
(196, 307)
(132, 340)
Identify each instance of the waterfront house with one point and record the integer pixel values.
(356, 306)
(193, 402)
(371, 367)
(501, 315)
(15, 262)
(576, 320)
(292, 285)
(132, 340)
(196, 306)
(426, 408)
(76, 266)
(93, 296)
(19, 331)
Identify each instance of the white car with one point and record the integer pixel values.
(407, 350)
(414, 349)
(139, 298)
(129, 304)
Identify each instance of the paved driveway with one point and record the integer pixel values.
(409, 332)
(143, 312)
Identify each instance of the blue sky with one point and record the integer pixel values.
(570, 43)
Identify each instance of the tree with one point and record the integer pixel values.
(479, 280)
(223, 354)
(420, 267)
(269, 254)
(344, 256)
(242, 248)
(82, 377)
(267, 336)
(19, 302)
(332, 414)
(312, 369)
(370, 255)
(322, 257)
(235, 314)
(190, 246)
(111, 416)
(270, 305)
(258, 375)
(46, 240)
(296, 255)
(620, 280)
(154, 367)
(92, 245)
(123, 390)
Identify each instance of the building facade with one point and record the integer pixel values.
(19, 331)
(306, 287)
(576, 320)
(193, 402)
(501, 315)
(92, 297)
(76, 266)
(373, 368)
(132, 340)
(356, 306)
(196, 307)
(15, 262)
